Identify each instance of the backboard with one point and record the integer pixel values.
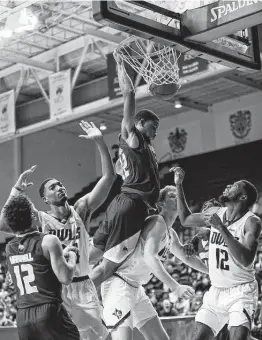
(219, 31)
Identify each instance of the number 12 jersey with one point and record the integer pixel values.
(33, 277)
(224, 270)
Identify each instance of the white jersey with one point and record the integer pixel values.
(135, 270)
(72, 232)
(224, 270)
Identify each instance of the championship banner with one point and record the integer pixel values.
(181, 141)
(7, 113)
(238, 127)
(60, 94)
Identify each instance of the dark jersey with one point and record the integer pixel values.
(140, 169)
(32, 274)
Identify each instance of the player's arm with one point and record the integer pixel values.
(187, 218)
(193, 261)
(128, 92)
(19, 187)
(244, 252)
(63, 269)
(97, 196)
(157, 228)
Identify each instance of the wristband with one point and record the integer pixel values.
(15, 191)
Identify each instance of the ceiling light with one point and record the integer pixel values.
(177, 104)
(102, 126)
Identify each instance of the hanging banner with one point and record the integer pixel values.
(238, 127)
(7, 113)
(60, 94)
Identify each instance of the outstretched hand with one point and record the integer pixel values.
(22, 182)
(92, 132)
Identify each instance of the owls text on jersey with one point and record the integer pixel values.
(72, 232)
(224, 270)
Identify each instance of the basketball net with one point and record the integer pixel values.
(156, 63)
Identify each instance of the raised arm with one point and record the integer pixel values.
(128, 93)
(156, 227)
(97, 196)
(63, 269)
(193, 261)
(244, 252)
(187, 218)
(20, 186)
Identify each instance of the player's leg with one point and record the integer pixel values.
(118, 299)
(125, 220)
(122, 333)
(154, 330)
(87, 311)
(211, 317)
(145, 318)
(203, 332)
(239, 333)
(242, 300)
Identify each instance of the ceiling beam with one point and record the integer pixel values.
(194, 105)
(110, 117)
(17, 8)
(62, 50)
(239, 79)
(9, 56)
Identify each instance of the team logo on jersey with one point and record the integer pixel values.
(177, 140)
(240, 123)
(118, 313)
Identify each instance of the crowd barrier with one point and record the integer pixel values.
(178, 328)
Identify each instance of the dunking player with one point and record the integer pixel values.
(38, 266)
(80, 297)
(118, 235)
(232, 247)
(126, 305)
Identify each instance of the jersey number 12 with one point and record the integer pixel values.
(25, 283)
(222, 258)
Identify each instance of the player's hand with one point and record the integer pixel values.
(69, 248)
(22, 182)
(179, 175)
(185, 292)
(92, 132)
(188, 249)
(214, 221)
(211, 203)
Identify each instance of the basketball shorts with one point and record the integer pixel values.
(117, 236)
(49, 321)
(125, 305)
(233, 306)
(82, 303)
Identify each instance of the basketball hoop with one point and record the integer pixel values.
(156, 63)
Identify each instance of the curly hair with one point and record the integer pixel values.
(18, 213)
